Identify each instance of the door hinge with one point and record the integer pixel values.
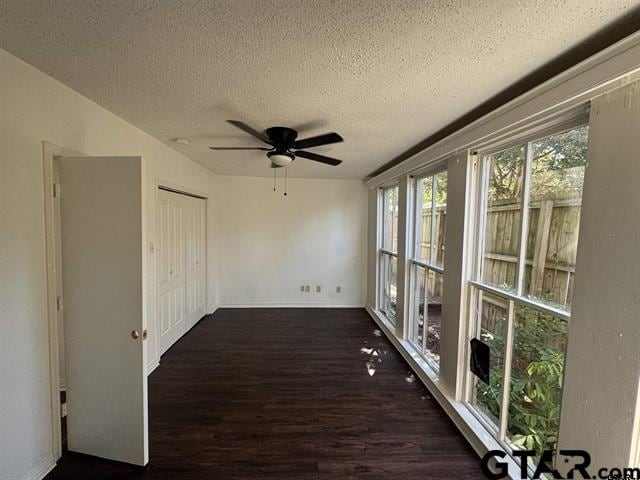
(59, 303)
(63, 410)
(56, 190)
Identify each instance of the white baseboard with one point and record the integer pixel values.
(291, 305)
(41, 469)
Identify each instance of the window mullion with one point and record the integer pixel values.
(415, 327)
(417, 227)
(385, 286)
(433, 221)
(506, 380)
(483, 167)
(425, 318)
(524, 220)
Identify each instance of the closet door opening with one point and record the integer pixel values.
(181, 264)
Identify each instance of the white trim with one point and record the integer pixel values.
(40, 469)
(474, 432)
(534, 304)
(426, 266)
(180, 189)
(613, 67)
(152, 366)
(291, 305)
(49, 151)
(634, 456)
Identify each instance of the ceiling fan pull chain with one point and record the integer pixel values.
(274, 179)
(285, 181)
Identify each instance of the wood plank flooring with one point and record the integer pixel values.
(289, 394)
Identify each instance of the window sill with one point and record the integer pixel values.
(480, 439)
(388, 324)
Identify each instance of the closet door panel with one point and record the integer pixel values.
(171, 268)
(196, 278)
(181, 265)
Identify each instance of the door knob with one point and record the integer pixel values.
(135, 334)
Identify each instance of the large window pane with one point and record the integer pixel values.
(536, 379)
(424, 210)
(429, 228)
(494, 312)
(440, 215)
(545, 176)
(503, 197)
(434, 316)
(390, 219)
(555, 199)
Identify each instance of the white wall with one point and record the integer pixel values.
(35, 108)
(270, 244)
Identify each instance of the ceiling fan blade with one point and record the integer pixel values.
(325, 139)
(317, 158)
(239, 148)
(251, 131)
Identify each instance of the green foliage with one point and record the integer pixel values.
(557, 168)
(441, 189)
(536, 380)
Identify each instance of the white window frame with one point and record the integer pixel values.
(383, 270)
(414, 262)
(478, 217)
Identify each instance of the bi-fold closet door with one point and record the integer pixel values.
(181, 265)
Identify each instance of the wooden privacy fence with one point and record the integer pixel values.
(434, 283)
(551, 248)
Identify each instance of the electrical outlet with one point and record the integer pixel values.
(318, 288)
(307, 288)
(338, 289)
(302, 288)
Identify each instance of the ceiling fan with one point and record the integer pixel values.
(283, 146)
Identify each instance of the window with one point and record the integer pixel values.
(529, 214)
(427, 262)
(388, 254)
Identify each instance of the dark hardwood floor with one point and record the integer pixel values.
(289, 394)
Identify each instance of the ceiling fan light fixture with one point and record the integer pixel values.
(282, 159)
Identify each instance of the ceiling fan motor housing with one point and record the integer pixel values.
(282, 137)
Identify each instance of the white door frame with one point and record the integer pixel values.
(192, 192)
(49, 152)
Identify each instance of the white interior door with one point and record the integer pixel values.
(101, 220)
(171, 268)
(196, 260)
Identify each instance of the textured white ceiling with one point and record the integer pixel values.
(384, 74)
